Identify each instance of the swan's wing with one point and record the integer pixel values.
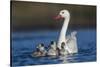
(68, 37)
(72, 45)
(71, 42)
(71, 36)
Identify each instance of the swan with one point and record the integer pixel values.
(70, 40)
(41, 51)
(52, 49)
(63, 51)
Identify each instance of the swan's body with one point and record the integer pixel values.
(41, 51)
(71, 42)
(63, 50)
(52, 49)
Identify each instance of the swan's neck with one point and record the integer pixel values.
(64, 28)
(62, 37)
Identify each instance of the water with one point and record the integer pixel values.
(24, 43)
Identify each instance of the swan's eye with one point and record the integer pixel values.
(62, 12)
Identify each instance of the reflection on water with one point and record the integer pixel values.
(24, 43)
(63, 58)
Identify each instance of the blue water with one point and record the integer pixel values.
(24, 43)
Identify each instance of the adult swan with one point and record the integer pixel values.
(70, 40)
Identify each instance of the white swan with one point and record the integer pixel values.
(71, 40)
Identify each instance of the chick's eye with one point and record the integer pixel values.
(62, 12)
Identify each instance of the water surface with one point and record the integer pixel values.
(24, 43)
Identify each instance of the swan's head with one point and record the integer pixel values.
(63, 14)
(62, 44)
(53, 44)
